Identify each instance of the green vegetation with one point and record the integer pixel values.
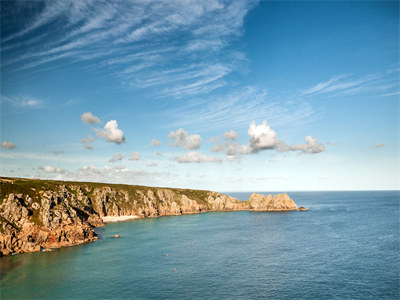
(32, 187)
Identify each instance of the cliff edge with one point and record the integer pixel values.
(37, 215)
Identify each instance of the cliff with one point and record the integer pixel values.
(42, 214)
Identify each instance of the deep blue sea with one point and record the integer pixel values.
(345, 247)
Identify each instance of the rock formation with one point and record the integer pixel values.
(38, 215)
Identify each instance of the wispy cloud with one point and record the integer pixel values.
(345, 84)
(243, 106)
(23, 101)
(381, 145)
(135, 40)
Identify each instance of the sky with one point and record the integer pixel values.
(214, 94)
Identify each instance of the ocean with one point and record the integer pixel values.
(347, 246)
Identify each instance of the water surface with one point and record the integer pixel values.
(345, 247)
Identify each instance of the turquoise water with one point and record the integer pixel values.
(345, 247)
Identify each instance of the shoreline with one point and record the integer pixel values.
(111, 219)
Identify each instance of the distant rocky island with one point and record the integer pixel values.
(37, 215)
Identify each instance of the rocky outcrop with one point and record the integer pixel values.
(38, 215)
(278, 202)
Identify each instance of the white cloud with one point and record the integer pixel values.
(378, 145)
(23, 101)
(88, 118)
(344, 84)
(117, 157)
(196, 157)
(135, 156)
(159, 154)
(230, 135)
(181, 138)
(111, 133)
(117, 174)
(152, 164)
(87, 141)
(8, 145)
(51, 169)
(155, 142)
(243, 105)
(103, 34)
(262, 136)
(311, 146)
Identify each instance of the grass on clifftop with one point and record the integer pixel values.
(32, 187)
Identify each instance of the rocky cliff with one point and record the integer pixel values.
(40, 214)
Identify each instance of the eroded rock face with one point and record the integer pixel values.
(56, 223)
(63, 214)
(271, 203)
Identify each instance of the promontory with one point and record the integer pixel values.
(37, 214)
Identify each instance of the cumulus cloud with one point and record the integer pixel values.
(87, 141)
(181, 138)
(152, 164)
(8, 145)
(155, 142)
(311, 146)
(378, 145)
(111, 133)
(51, 169)
(262, 137)
(88, 118)
(135, 156)
(116, 157)
(230, 135)
(196, 157)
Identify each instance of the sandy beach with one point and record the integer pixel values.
(118, 218)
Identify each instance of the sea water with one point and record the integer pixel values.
(345, 247)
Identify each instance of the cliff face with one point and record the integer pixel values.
(37, 215)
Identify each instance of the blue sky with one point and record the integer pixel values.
(217, 95)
